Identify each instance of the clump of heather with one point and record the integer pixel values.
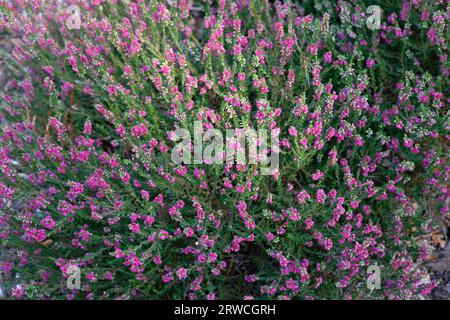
(88, 117)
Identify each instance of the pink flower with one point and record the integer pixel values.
(317, 175)
(48, 222)
(139, 130)
(292, 131)
(134, 227)
(181, 273)
(370, 63)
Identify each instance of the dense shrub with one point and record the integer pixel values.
(85, 150)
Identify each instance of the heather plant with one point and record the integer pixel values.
(88, 119)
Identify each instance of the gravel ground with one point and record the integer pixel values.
(440, 268)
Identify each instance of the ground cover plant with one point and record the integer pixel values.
(96, 93)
